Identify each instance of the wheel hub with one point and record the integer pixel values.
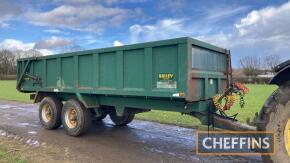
(287, 137)
(46, 113)
(71, 118)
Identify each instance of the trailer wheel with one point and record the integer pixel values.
(275, 116)
(50, 112)
(76, 119)
(122, 120)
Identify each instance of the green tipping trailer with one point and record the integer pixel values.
(180, 75)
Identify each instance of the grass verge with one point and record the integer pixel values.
(8, 92)
(10, 156)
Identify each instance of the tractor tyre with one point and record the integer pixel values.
(275, 117)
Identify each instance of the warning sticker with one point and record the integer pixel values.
(166, 80)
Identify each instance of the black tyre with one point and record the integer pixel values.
(76, 119)
(275, 116)
(50, 112)
(122, 120)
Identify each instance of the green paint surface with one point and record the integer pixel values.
(132, 70)
(164, 74)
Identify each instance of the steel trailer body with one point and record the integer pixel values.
(179, 75)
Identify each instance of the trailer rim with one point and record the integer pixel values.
(71, 117)
(287, 136)
(46, 113)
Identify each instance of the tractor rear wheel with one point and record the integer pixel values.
(275, 116)
(122, 120)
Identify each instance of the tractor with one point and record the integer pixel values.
(275, 114)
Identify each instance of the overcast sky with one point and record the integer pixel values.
(246, 27)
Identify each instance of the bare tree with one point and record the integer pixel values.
(27, 53)
(271, 61)
(251, 65)
(7, 62)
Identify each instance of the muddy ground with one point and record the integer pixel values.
(140, 141)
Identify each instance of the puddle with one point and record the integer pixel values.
(32, 132)
(29, 141)
(24, 124)
(5, 106)
(32, 142)
(3, 133)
